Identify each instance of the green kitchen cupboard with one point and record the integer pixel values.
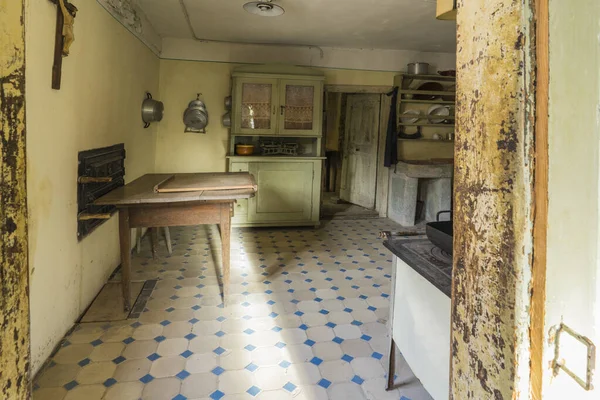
(278, 106)
(285, 192)
(277, 101)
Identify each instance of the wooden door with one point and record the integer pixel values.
(255, 106)
(359, 165)
(300, 107)
(572, 261)
(285, 191)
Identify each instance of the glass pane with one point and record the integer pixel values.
(256, 105)
(299, 107)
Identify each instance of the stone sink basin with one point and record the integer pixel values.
(425, 168)
(435, 187)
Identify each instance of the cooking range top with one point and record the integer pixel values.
(431, 262)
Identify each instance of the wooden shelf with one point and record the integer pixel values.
(428, 92)
(427, 116)
(427, 140)
(440, 102)
(430, 77)
(425, 124)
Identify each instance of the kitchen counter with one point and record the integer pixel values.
(420, 311)
(432, 263)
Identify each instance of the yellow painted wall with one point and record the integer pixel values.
(103, 84)
(181, 80)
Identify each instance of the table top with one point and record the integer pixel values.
(142, 191)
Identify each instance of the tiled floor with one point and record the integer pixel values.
(306, 320)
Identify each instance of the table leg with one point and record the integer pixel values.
(225, 226)
(168, 240)
(391, 365)
(154, 240)
(125, 243)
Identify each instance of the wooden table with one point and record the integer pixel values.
(141, 206)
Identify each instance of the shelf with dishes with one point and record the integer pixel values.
(423, 92)
(436, 115)
(269, 146)
(427, 140)
(429, 77)
(450, 103)
(447, 125)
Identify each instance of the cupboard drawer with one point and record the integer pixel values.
(240, 207)
(239, 167)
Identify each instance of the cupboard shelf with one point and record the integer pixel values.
(430, 77)
(428, 92)
(426, 140)
(440, 102)
(425, 124)
(427, 116)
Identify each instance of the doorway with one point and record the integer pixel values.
(355, 121)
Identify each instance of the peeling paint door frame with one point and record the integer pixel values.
(494, 197)
(15, 382)
(540, 222)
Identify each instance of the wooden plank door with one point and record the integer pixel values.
(359, 165)
(285, 191)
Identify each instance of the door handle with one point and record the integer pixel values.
(558, 364)
(282, 108)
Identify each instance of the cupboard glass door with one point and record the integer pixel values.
(300, 108)
(256, 101)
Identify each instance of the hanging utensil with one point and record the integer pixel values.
(152, 110)
(226, 119)
(195, 117)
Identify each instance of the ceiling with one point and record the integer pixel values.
(373, 24)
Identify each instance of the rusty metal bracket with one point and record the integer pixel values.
(558, 364)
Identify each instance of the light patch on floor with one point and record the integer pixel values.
(108, 305)
(306, 320)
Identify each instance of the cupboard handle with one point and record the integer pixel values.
(282, 108)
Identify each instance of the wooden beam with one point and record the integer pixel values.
(493, 200)
(540, 227)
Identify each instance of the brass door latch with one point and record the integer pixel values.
(559, 364)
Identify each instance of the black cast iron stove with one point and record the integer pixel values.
(100, 171)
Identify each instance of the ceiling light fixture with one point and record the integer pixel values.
(264, 8)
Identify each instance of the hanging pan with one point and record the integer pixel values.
(152, 110)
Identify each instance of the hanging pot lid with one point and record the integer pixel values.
(197, 104)
(195, 118)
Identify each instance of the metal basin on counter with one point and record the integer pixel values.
(440, 234)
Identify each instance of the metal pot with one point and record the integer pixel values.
(152, 110)
(226, 119)
(418, 68)
(228, 103)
